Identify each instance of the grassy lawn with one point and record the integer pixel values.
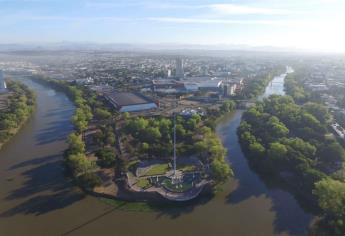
(132, 164)
(143, 183)
(186, 168)
(182, 187)
(160, 169)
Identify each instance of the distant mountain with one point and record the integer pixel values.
(135, 47)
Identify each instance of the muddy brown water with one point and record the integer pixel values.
(36, 198)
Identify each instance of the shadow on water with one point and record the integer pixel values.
(45, 186)
(55, 132)
(175, 210)
(290, 217)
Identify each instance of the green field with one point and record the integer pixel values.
(159, 169)
(182, 187)
(186, 168)
(143, 183)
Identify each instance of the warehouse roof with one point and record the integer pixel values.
(127, 99)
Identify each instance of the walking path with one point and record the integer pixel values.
(173, 196)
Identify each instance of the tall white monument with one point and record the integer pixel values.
(3, 86)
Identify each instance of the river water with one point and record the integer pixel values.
(36, 199)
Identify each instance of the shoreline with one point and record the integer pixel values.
(123, 191)
(155, 197)
(16, 130)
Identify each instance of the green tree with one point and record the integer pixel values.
(151, 135)
(221, 170)
(331, 196)
(257, 149)
(106, 157)
(277, 152)
(228, 106)
(317, 110)
(102, 114)
(76, 144)
(79, 164)
(89, 180)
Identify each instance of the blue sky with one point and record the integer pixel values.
(307, 24)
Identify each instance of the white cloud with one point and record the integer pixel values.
(232, 9)
(178, 20)
(226, 9)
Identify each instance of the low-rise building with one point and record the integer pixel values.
(130, 102)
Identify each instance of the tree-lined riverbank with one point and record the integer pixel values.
(20, 105)
(246, 205)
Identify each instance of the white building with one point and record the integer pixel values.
(88, 80)
(3, 86)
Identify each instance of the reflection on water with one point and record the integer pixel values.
(36, 199)
(276, 86)
(51, 93)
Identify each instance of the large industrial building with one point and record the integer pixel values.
(190, 85)
(130, 102)
(3, 87)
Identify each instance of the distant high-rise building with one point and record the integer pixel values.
(179, 68)
(3, 87)
(169, 73)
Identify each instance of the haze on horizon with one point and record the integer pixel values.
(314, 25)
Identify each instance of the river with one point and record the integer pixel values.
(36, 198)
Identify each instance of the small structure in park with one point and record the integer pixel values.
(179, 180)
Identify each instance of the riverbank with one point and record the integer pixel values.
(14, 131)
(22, 104)
(294, 153)
(90, 178)
(61, 208)
(194, 169)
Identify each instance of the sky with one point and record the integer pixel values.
(317, 25)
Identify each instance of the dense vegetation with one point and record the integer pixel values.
(294, 88)
(21, 103)
(292, 142)
(256, 86)
(152, 138)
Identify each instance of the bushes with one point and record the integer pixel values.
(228, 106)
(76, 144)
(79, 164)
(331, 198)
(89, 181)
(81, 168)
(106, 157)
(221, 170)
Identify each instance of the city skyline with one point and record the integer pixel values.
(309, 25)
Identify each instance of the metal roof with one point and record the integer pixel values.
(127, 99)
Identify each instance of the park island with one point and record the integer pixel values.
(128, 146)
